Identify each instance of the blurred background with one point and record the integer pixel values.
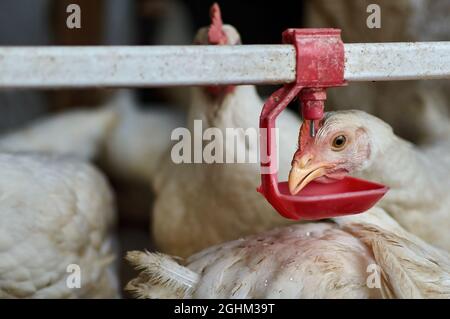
(153, 22)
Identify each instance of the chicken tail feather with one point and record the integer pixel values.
(162, 272)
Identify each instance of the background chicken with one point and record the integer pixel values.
(134, 147)
(354, 142)
(123, 138)
(198, 205)
(54, 212)
(79, 133)
(401, 21)
(316, 260)
(128, 139)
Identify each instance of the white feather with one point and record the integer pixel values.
(161, 270)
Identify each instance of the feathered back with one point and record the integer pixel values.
(410, 268)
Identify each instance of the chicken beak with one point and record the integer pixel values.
(303, 172)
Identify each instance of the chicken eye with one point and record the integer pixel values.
(339, 142)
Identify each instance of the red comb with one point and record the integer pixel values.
(216, 35)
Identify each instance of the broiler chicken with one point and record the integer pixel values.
(78, 133)
(354, 142)
(134, 147)
(368, 255)
(55, 212)
(362, 256)
(198, 205)
(129, 141)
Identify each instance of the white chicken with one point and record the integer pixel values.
(363, 256)
(128, 140)
(198, 205)
(56, 217)
(79, 133)
(354, 142)
(134, 147)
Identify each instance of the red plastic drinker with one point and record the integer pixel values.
(320, 64)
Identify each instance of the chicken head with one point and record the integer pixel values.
(343, 144)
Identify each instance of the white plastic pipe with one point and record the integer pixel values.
(152, 66)
(397, 61)
(142, 66)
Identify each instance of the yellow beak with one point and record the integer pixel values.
(303, 172)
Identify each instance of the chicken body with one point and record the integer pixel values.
(362, 256)
(54, 212)
(78, 133)
(199, 205)
(418, 179)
